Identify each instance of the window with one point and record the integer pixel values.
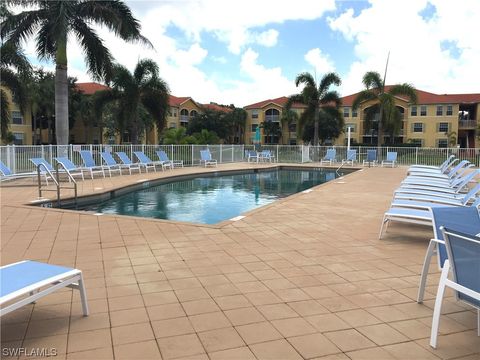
(172, 125)
(19, 138)
(417, 127)
(417, 142)
(423, 110)
(193, 113)
(254, 127)
(292, 127)
(413, 111)
(449, 110)
(351, 126)
(17, 118)
(354, 113)
(346, 112)
(439, 110)
(442, 143)
(254, 114)
(443, 127)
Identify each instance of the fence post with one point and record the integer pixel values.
(51, 154)
(233, 153)
(14, 157)
(416, 155)
(278, 160)
(192, 153)
(220, 153)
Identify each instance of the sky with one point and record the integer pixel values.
(246, 51)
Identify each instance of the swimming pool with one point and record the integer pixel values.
(209, 199)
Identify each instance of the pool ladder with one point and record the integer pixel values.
(56, 180)
(336, 171)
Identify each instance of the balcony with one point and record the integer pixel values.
(273, 118)
(467, 124)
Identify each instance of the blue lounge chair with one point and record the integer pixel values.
(351, 157)
(206, 158)
(126, 161)
(329, 157)
(251, 155)
(266, 155)
(112, 164)
(391, 159)
(46, 169)
(89, 164)
(7, 174)
(463, 251)
(24, 282)
(371, 159)
(71, 169)
(146, 162)
(162, 155)
(465, 219)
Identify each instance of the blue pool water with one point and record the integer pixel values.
(209, 200)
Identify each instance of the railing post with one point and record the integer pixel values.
(192, 153)
(416, 155)
(277, 153)
(220, 153)
(233, 153)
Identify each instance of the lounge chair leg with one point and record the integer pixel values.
(478, 322)
(438, 305)
(385, 220)
(426, 267)
(83, 295)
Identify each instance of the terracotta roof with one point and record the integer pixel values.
(216, 107)
(425, 97)
(281, 101)
(177, 101)
(90, 88)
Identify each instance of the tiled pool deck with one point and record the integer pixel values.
(304, 277)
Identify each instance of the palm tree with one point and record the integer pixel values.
(389, 115)
(178, 137)
(205, 137)
(133, 91)
(319, 99)
(290, 117)
(14, 71)
(55, 21)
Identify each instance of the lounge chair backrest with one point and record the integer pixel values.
(460, 165)
(87, 158)
(351, 155)
(142, 157)
(162, 155)
(67, 163)
(463, 253)
(462, 181)
(5, 170)
(205, 155)
(124, 158)
(331, 153)
(108, 158)
(447, 163)
(43, 162)
(471, 194)
(371, 155)
(392, 156)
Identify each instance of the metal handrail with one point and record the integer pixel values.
(56, 180)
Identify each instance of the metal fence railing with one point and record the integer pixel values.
(17, 157)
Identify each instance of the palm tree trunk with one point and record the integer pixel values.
(315, 126)
(380, 131)
(61, 92)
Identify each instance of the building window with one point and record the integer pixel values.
(354, 113)
(17, 118)
(442, 143)
(172, 125)
(351, 126)
(439, 110)
(413, 111)
(193, 113)
(449, 110)
(254, 114)
(346, 112)
(418, 127)
(443, 127)
(18, 138)
(254, 127)
(292, 127)
(417, 142)
(423, 110)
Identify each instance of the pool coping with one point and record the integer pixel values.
(141, 183)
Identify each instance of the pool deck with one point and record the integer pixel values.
(304, 277)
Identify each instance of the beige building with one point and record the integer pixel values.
(435, 121)
(20, 124)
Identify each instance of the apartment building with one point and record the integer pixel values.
(20, 124)
(446, 120)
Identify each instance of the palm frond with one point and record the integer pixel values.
(12, 55)
(406, 90)
(373, 80)
(11, 81)
(331, 97)
(305, 78)
(364, 95)
(327, 81)
(297, 98)
(20, 27)
(101, 98)
(146, 69)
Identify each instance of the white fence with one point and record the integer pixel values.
(17, 157)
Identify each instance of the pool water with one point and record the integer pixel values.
(212, 199)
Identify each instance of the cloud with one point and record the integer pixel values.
(417, 43)
(320, 62)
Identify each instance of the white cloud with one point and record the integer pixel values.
(321, 63)
(415, 43)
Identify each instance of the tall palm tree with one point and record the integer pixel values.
(389, 115)
(14, 70)
(142, 88)
(318, 98)
(290, 117)
(53, 21)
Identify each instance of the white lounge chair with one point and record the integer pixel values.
(162, 155)
(24, 282)
(90, 165)
(436, 169)
(411, 199)
(206, 158)
(371, 159)
(71, 169)
(112, 164)
(127, 162)
(463, 251)
(251, 155)
(391, 159)
(329, 157)
(7, 174)
(351, 157)
(454, 173)
(146, 162)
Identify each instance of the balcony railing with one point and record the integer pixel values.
(273, 118)
(467, 124)
(184, 118)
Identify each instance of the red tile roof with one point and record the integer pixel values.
(425, 97)
(90, 88)
(177, 101)
(281, 101)
(216, 107)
